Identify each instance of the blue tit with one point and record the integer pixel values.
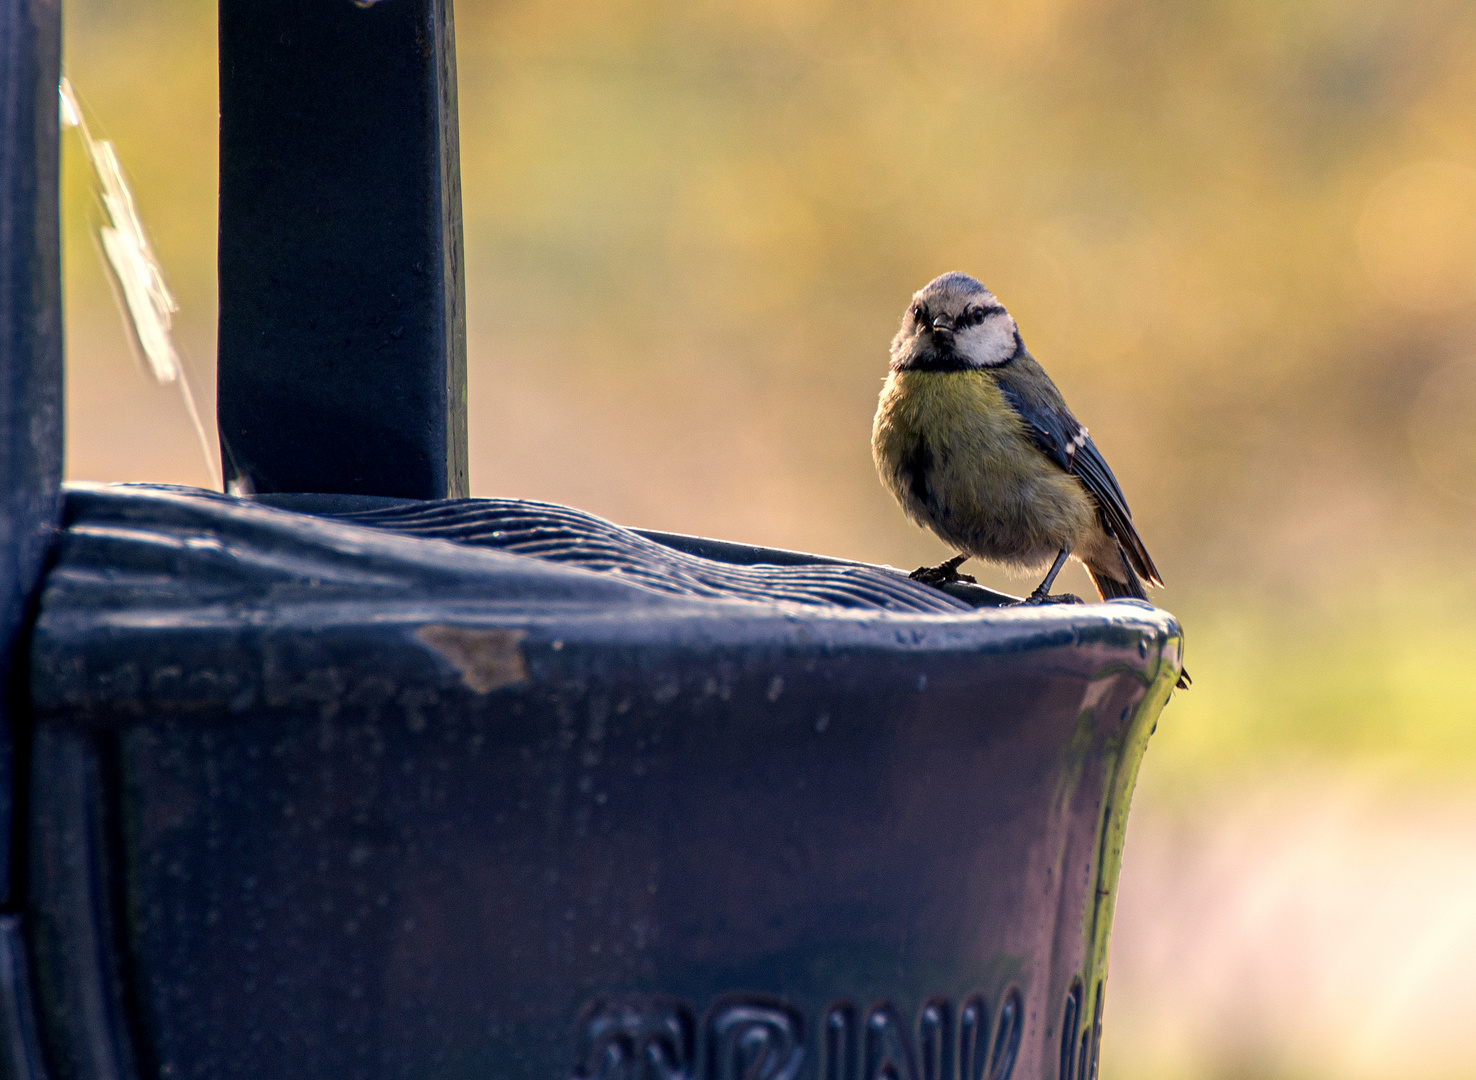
(977, 444)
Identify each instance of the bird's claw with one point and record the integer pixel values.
(1038, 599)
(941, 575)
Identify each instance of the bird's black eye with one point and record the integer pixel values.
(920, 314)
(972, 317)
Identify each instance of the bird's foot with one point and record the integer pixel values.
(1037, 599)
(943, 574)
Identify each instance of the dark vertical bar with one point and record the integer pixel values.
(342, 350)
(30, 349)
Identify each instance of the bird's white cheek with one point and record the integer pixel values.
(993, 342)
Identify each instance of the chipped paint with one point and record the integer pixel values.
(486, 659)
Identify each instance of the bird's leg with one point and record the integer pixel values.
(1042, 593)
(943, 573)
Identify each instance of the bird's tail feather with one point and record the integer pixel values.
(1111, 588)
(1116, 588)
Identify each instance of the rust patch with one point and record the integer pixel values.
(487, 659)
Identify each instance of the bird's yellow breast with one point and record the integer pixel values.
(961, 462)
(962, 409)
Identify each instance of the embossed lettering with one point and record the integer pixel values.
(842, 1049)
(973, 1038)
(643, 1037)
(1007, 1036)
(935, 1039)
(754, 1038)
(1091, 1073)
(1070, 1023)
(888, 1054)
(761, 1037)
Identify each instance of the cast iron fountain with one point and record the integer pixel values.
(354, 776)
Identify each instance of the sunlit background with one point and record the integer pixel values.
(1240, 234)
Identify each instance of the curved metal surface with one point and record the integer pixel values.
(20, 1042)
(368, 804)
(665, 562)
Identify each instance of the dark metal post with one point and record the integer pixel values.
(30, 344)
(342, 349)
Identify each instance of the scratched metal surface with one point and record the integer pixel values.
(313, 799)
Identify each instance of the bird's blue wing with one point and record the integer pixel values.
(1055, 430)
(1064, 440)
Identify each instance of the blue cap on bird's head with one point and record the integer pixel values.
(955, 324)
(954, 281)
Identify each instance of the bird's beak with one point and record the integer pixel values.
(942, 325)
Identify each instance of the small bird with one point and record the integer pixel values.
(977, 444)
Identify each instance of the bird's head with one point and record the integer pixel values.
(955, 324)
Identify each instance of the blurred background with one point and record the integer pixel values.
(1242, 237)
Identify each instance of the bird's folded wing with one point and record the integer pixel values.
(1065, 441)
